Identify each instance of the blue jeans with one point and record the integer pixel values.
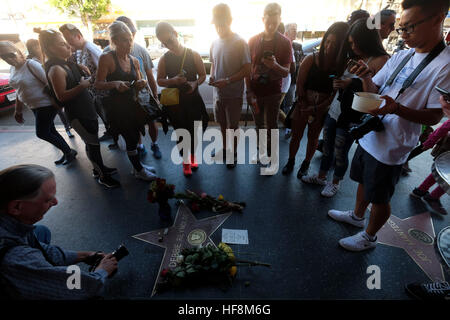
(42, 233)
(336, 145)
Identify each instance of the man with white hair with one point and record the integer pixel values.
(31, 268)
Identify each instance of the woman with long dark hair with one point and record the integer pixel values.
(68, 84)
(314, 94)
(35, 53)
(118, 71)
(182, 68)
(28, 78)
(364, 44)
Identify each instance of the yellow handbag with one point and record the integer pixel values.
(171, 96)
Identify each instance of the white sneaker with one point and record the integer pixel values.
(314, 179)
(346, 216)
(151, 169)
(358, 242)
(330, 190)
(145, 174)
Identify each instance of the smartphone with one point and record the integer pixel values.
(267, 54)
(444, 93)
(132, 83)
(351, 63)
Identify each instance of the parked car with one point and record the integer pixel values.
(7, 93)
(311, 46)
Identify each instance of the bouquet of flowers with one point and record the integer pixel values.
(206, 265)
(160, 191)
(205, 201)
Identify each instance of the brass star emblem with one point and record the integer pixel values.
(186, 232)
(416, 236)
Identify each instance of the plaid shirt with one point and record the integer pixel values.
(25, 271)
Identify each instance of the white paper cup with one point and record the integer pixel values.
(366, 101)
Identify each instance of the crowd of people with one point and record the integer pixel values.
(314, 91)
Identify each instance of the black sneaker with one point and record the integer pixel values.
(61, 160)
(108, 171)
(417, 193)
(70, 157)
(434, 205)
(288, 167)
(303, 171)
(109, 182)
(429, 291)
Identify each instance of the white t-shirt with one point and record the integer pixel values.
(286, 81)
(29, 89)
(393, 145)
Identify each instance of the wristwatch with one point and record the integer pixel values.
(228, 80)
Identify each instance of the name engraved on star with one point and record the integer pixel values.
(179, 241)
(404, 236)
(400, 233)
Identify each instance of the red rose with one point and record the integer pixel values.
(195, 207)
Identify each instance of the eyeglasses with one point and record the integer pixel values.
(9, 55)
(410, 29)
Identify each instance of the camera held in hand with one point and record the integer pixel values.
(95, 260)
(264, 78)
(368, 123)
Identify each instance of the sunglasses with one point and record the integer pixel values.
(9, 55)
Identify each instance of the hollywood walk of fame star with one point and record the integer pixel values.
(186, 232)
(416, 236)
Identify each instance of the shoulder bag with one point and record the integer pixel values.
(171, 96)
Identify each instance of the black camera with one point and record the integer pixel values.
(264, 78)
(368, 123)
(95, 260)
(267, 54)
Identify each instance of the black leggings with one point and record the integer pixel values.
(131, 138)
(45, 128)
(88, 131)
